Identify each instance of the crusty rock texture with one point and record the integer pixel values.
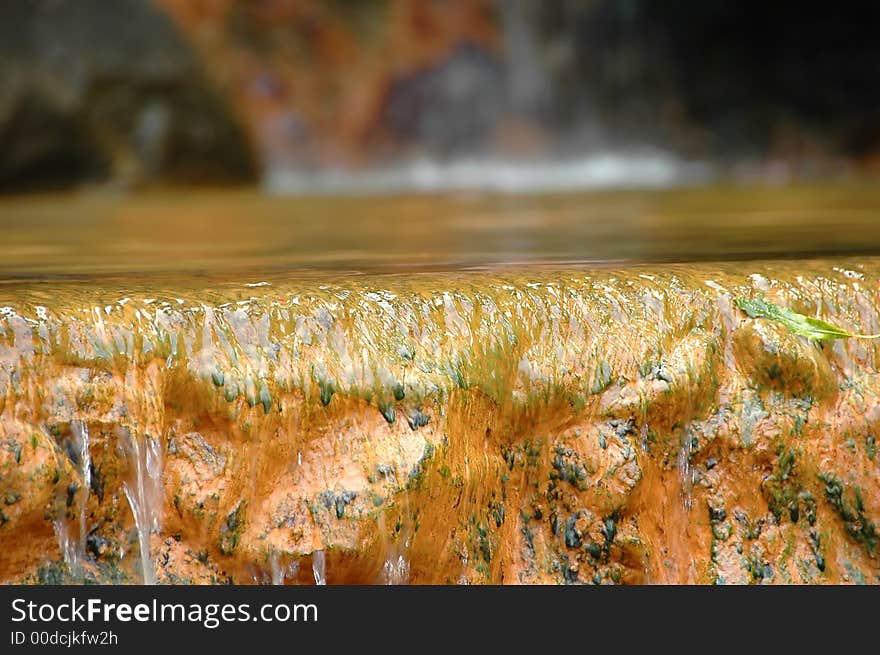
(513, 426)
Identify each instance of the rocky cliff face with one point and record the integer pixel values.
(91, 91)
(561, 426)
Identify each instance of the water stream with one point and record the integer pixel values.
(286, 336)
(72, 544)
(319, 567)
(685, 472)
(281, 572)
(396, 567)
(68, 547)
(144, 494)
(81, 439)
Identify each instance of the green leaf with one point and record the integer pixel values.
(812, 328)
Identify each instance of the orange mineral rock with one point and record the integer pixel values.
(517, 426)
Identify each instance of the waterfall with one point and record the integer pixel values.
(68, 548)
(73, 547)
(144, 494)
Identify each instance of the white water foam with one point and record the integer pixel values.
(603, 170)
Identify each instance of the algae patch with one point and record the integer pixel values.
(812, 328)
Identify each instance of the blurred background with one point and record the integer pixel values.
(311, 95)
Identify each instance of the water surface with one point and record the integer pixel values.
(194, 232)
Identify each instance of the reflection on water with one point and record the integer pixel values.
(235, 230)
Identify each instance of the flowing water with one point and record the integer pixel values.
(319, 567)
(144, 494)
(281, 572)
(81, 439)
(197, 233)
(395, 569)
(73, 546)
(68, 547)
(232, 287)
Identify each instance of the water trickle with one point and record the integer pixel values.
(319, 567)
(278, 572)
(144, 494)
(259, 576)
(81, 439)
(281, 572)
(68, 548)
(396, 570)
(463, 578)
(685, 471)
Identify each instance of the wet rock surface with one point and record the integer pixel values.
(515, 426)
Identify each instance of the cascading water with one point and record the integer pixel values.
(463, 578)
(396, 570)
(81, 437)
(681, 512)
(446, 463)
(144, 493)
(281, 572)
(68, 548)
(685, 471)
(319, 567)
(73, 547)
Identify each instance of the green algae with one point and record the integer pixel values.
(812, 328)
(847, 502)
(231, 529)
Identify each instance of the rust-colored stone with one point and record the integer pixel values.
(523, 426)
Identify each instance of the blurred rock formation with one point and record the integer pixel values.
(91, 90)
